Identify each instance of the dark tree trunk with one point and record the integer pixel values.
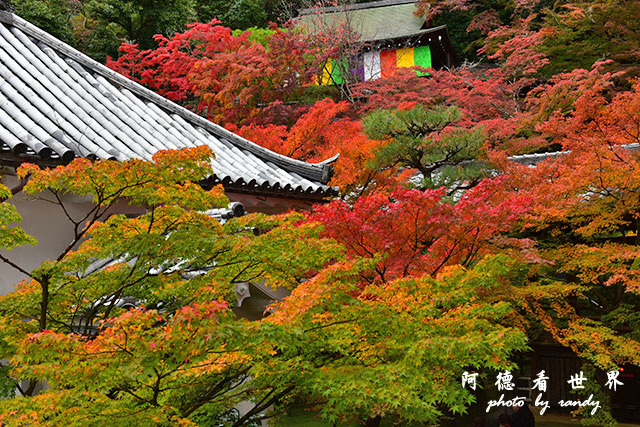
(373, 422)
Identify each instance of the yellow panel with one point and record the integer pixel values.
(405, 57)
(326, 73)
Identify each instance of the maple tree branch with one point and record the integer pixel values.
(328, 325)
(64, 209)
(259, 408)
(213, 391)
(156, 387)
(16, 266)
(446, 258)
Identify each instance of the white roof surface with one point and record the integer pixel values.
(56, 103)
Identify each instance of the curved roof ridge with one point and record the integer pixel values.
(535, 158)
(315, 172)
(355, 6)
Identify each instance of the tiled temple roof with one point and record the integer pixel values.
(56, 104)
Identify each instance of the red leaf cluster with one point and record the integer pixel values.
(419, 231)
(227, 77)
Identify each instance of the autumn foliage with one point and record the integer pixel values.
(223, 76)
(179, 355)
(420, 232)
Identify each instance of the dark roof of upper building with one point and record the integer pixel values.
(384, 24)
(56, 103)
(374, 21)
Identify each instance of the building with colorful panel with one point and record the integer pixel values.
(392, 36)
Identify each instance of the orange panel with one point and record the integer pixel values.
(388, 63)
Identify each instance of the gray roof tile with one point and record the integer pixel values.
(56, 103)
(533, 159)
(373, 21)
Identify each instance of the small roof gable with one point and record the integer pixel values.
(374, 21)
(56, 103)
(532, 160)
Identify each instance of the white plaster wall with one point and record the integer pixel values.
(48, 223)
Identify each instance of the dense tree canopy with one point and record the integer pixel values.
(180, 356)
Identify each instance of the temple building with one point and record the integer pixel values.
(391, 36)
